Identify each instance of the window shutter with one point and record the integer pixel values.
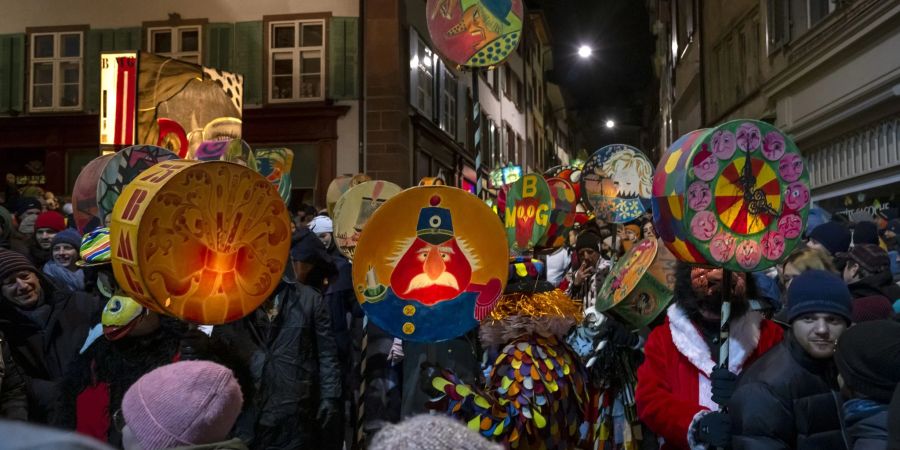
(96, 42)
(12, 73)
(343, 58)
(219, 42)
(128, 39)
(248, 41)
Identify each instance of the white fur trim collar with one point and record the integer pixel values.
(742, 341)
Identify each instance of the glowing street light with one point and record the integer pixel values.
(585, 51)
(610, 124)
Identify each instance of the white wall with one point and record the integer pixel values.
(17, 15)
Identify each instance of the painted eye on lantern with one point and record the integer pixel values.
(116, 306)
(434, 221)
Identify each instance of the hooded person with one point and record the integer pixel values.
(833, 237)
(134, 341)
(184, 405)
(43, 325)
(866, 270)
(529, 399)
(868, 359)
(63, 268)
(680, 390)
(789, 398)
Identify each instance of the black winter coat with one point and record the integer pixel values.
(292, 363)
(44, 353)
(787, 400)
(13, 401)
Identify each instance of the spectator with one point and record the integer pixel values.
(800, 260)
(865, 232)
(13, 401)
(25, 436)
(46, 226)
(866, 270)
(832, 237)
(680, 391)
(632, 236)
(188, 404)
(6, 228)
(648, 230)
(62, 268)
(311, 262)
(583, 286)
(323, 228)
(44, 326)
(890, 235)
(430, 432)
(288, 341)
(27, 210)
(868, 359)
(874, 307)
(787, 399)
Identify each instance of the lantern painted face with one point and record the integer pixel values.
(120, 315)
(790, 226)
(704, 225)
(748, 137)
(790, 167)
(748, 255)
(722, 247)
(796, 196)
(705, 165)
(699, 196)
(773, 245)
(773, 146)
(723, 144)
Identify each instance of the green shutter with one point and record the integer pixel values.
(98, 41)
(128, 39)
(12, 73)
(217, 51)
(343, 58)
(248, 42)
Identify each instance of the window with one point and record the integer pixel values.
(787, 20)
(449, 90)
(421, 65)
(819, 9)
(685, 25)
(182, 42)
(296, 60)
(511, 154)
(55, 75)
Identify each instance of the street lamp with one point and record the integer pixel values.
(610, 124)
(585, 51)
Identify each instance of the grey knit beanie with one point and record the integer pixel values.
(430, 432)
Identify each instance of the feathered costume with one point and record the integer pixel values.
(535, 396)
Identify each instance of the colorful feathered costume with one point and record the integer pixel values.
(535, 395)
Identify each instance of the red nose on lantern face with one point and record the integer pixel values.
(431, 273)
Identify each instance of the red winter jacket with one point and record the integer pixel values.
(673, 382)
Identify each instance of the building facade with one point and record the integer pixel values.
(826, 72)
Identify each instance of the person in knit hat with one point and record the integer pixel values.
(786, 399)
(21, 237)
(430, 432)
(874, 307)
(187, 404)
(46, 225)
(866, 270)
(868, 359)
(865, 232)
(583, 283)
(62, 268)
(44, 326)
(833, 237)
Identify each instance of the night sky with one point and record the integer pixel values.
(614, 83)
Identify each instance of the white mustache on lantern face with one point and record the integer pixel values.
(423, 281)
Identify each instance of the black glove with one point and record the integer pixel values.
(194, 345)
(329, 408)
(723, 385)
(714, 429)
(619, 335)
(427, 372)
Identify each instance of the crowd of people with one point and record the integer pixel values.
(814, 349)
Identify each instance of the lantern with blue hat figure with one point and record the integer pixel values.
(441, 251)
(535, 393)
(474, 33)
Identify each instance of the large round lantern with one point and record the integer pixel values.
(206, 242)
(616, 183)
(355, 208)
(735, 196)
(472, 33)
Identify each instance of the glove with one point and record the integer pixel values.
(395, 355)
(194, 345)
(427, 373)
(329, 408)
(620, 336)
(714, 429)
(723, 385)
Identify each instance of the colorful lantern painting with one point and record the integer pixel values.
(275, 164)
(85, 208)
(124, 167)
(355, 208)
(572, 174)
(527, 212)
(206, 242)
(430, 264)
(616, 183)
(339, 186)
(237, 151)
(562, 217)
(735, 196)
(474, 33)
(640, 285)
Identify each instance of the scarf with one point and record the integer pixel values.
(73, 281)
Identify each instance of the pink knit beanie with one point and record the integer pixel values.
(182, 404)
